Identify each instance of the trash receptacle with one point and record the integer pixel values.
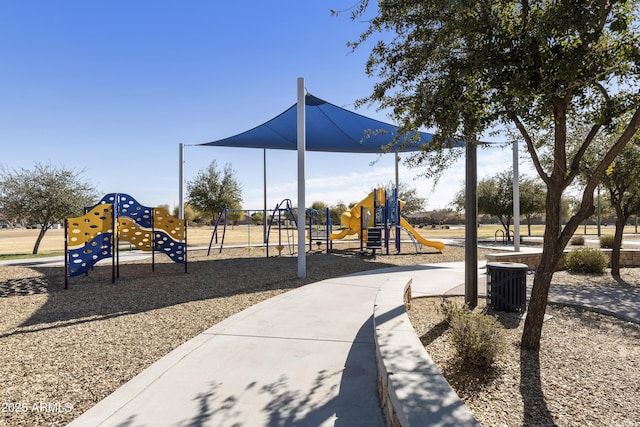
(507, 286)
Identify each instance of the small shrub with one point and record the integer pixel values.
(450, 310)
(477, 339)
(606, 241)
(586, 260)
(577, 240)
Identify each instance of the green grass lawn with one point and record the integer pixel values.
(30, 255)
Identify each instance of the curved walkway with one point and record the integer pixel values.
(306, 357)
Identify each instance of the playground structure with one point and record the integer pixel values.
(281, 208)
(376, 215)
(373, 220)
(118, 218)
(284, 218)
(283, 213)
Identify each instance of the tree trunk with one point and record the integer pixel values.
(505, 224)
(621, 220)
(555, 240)
(542, 281)
(43, 230)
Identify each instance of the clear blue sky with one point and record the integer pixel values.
(112, 87)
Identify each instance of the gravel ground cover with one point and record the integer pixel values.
(65, 350)
(587, 372)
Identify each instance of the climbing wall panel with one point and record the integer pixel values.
(82, 229)
(170, 247)
(129, 231)
(118, 217)
(84, 258)
(171, 225)
(89, 239)
(130, 208)
(170, 234)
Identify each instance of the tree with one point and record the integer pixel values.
(622, 181)
(465, 67)
(532, 199)
(235, 216)
(336, 211)
(188, 212)
(412, 202)
(44, 196)
(256, 218)
(211, 190)
(321, 211)
(495, 198)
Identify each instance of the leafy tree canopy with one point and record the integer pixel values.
(412, 202)
(321, 211)
(256, 217)
(463, 68)
(336, 211)
(213, 189)
(495, 198)
(188, 211)
(622, 182)
(44, 195)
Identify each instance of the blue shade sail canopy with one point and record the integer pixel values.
(328, 128)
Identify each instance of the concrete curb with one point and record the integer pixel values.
(412, 390)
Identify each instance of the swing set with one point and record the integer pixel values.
(283, 216)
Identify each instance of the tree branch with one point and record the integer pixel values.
(532, 150)
(575, 163)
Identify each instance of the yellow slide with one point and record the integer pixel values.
(351, 218)
(351, 221)
(434, 244)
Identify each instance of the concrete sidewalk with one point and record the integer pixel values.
(306, 357)
(58, 260)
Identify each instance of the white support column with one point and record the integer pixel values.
(264, 195)
(181, 183)
(302, 135)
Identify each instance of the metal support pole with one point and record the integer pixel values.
(264, 193)
(397, 173)
(310, 231)
(471, 226)
(516, 199)
(181, 183)
(66, 253)
(599, 211)
(302, 141)
(328, 228)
